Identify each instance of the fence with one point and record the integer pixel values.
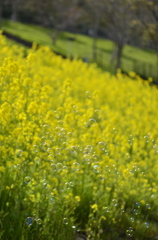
(103, 60)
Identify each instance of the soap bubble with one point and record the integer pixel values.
(70, 135)
(95, 157)
(45, 146)
(65, 169)
(65, 221)
(29, 221)
(91, 121)
(52, 200)
(35, 148)
(56, 114)
(76, 166)
(50, 151)
(135, 211)
(88, 149)
(96, 168)
(19, 153)
(73, 150)
(69, 185)
(146, 224)
(43, 139)
(51, 138)
(45, 185)
(97, 114)
(35, 216)
(129, 232)
(27, 180)
(88, 94)
(39, 221)
(87, 158)
(122, 210)
(62, 132)
(75, 108)
(155, 147)
(148, 206)
(59, 166)
(147, 138)
(53, 167)
(114, 202)
(46, 129)
(57, 151)
(101, 178)
(132, 219)
(102, 145)
(137, 205)
(114, 130)
(106, 209)
(37, 160)
(18, 166)
(131, 140)
(64, 145)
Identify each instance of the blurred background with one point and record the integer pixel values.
(120, 33)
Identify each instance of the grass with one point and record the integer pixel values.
(133, 58)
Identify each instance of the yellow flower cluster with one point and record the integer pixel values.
(75, 138)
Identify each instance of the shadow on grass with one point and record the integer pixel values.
(103, 50)
(18, 39)
(71, 39)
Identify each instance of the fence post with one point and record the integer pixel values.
(135, 65)
(150, 70)
(101, 58)
(144, 70)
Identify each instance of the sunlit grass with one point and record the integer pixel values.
(82, 47)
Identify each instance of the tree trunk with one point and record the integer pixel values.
(113, 55)
(157, 68)
(15, 6)
(118, 57)
(1, 13)
(55, 36)
(94, 49)
(95, 35)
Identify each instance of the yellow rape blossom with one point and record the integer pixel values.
(75, 143)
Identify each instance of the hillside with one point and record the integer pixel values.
(78, 150)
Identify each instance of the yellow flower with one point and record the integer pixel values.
(94, 207)
(2, 169)
(77, 198)
(32, 197)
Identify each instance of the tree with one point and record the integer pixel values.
(12, 7)
(95, 13)
(118, 17)
(147, 19)
(1, 9)
(16, 7)
(58, 15)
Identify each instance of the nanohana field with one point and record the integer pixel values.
(78, 150)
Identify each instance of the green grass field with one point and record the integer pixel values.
(133, 58)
